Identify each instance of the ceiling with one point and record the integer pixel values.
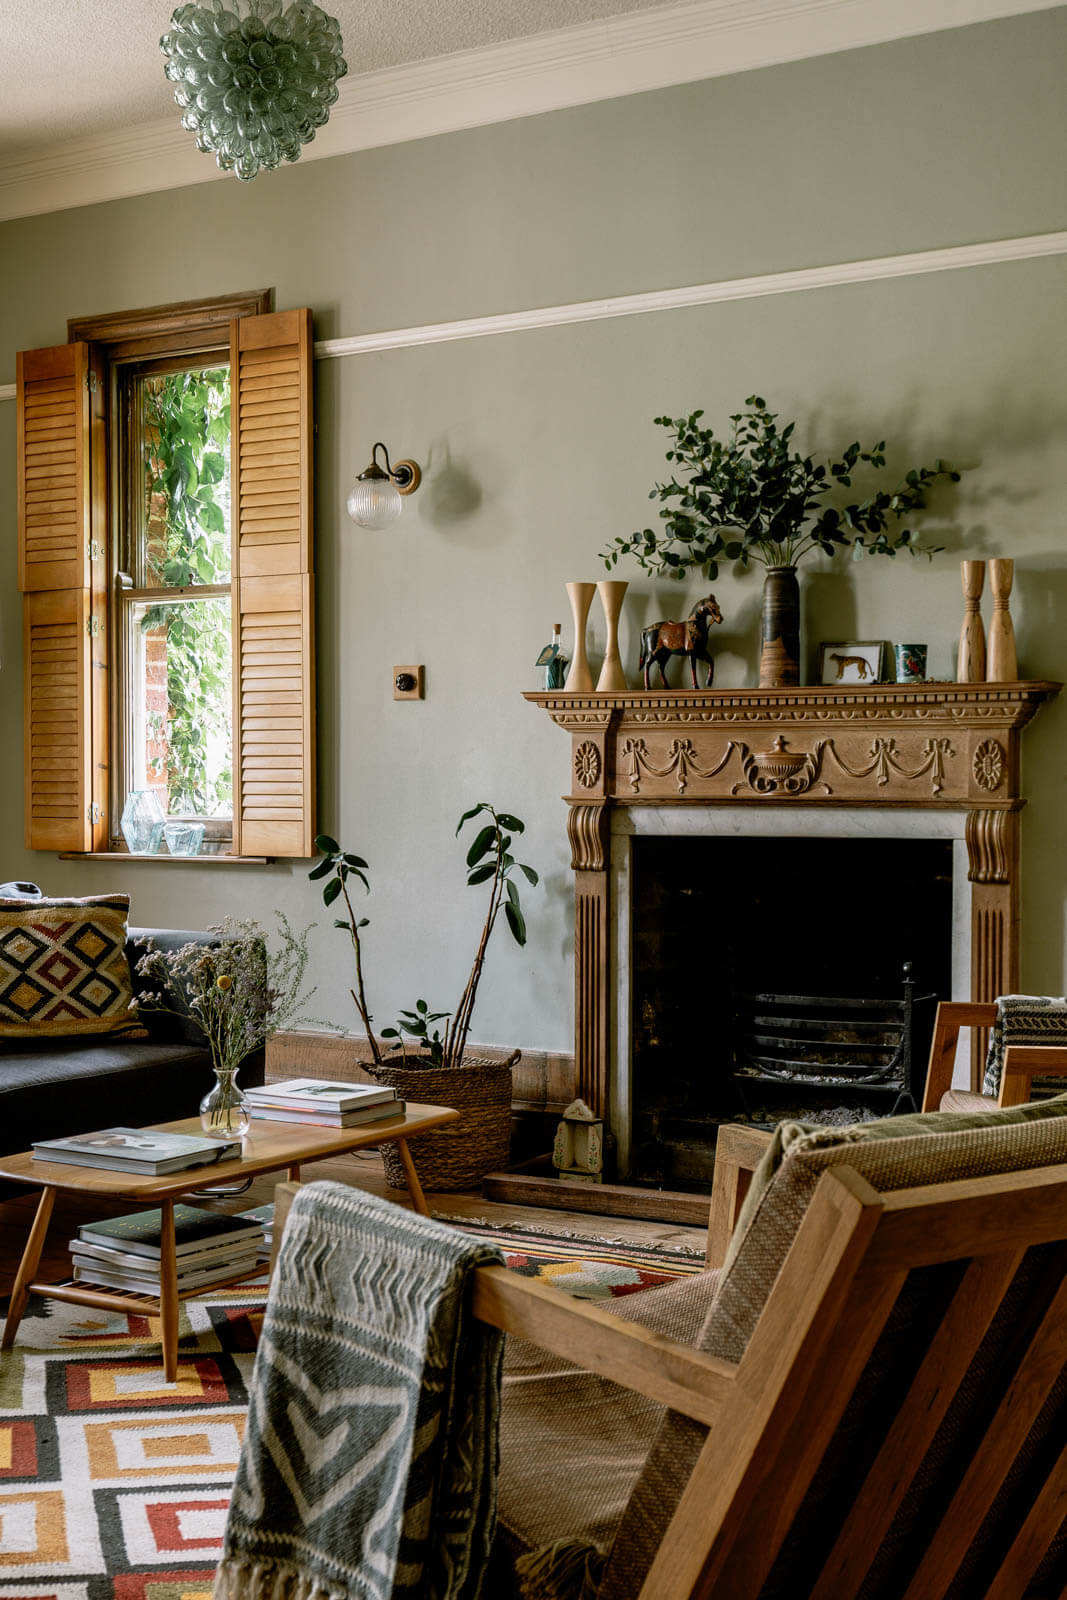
(69, 68)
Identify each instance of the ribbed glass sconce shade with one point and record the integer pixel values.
(253, 89)
(374, 502)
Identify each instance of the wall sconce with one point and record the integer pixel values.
(375, 498)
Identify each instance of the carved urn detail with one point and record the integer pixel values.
(780, 770)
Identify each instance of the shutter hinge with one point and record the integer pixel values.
(95, 813)
(94, 627)
(90, 381)
(94, 549)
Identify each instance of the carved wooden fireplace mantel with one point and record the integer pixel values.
(934, 746)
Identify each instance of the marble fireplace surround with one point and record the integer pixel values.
(935, 760)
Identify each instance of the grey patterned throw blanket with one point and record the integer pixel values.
(1025, 1019)
(368, 1471)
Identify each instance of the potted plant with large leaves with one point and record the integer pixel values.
(750, 497)
(423, 1056)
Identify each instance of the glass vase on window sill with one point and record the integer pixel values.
(142, 822)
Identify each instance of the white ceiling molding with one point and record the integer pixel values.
(575, 66)
(876, 269)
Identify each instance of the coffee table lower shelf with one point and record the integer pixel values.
(84, 1292)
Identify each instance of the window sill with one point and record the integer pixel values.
(180, 861)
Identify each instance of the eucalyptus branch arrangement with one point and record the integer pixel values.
(489, 861)
(749, 497)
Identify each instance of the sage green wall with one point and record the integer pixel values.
(538, 447)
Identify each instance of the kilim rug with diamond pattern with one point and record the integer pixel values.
(114, 1484)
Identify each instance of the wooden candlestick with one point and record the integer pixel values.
(612, 678)
(970, 667)
(580, 595)
(1003, 666)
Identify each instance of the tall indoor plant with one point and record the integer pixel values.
(749, 497)
(422, 1061)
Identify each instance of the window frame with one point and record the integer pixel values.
(66, 480)
(173, 336)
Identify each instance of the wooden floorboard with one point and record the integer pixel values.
(365, 1171)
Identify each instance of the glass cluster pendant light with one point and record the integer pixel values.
(253, 88)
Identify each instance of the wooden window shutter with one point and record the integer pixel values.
(274, 682)
(54, 502)
(62, 573)
(58, 719)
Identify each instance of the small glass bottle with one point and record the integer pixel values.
(554, 662)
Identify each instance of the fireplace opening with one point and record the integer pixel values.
(779, 977)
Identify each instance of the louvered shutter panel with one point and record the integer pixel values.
(62, 572)
(58, 719)
(274, 722)
(53, 467)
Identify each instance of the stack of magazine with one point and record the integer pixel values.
(141, 1150)
(124, 1252)
(318, 1101)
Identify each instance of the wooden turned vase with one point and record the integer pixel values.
(970, 664)
(580, 595)
(612, 679)
(1002, 665)
(779, 661)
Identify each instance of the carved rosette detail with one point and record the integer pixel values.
(587, 764)
(988, 764)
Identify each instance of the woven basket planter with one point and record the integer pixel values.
(460, 1155)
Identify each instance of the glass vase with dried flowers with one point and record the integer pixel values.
(238, 994)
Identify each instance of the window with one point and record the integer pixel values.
(165, 559)
(174, 709)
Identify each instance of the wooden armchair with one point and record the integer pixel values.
(1022, 1063)
(875, 1403)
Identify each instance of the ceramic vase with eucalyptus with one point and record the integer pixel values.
(779, 662)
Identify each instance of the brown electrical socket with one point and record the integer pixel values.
(407, 683)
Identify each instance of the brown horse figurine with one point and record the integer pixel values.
(662, 640)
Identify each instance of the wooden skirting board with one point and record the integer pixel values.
(542, 1080)
(537, 1186)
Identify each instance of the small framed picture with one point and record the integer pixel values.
(851, 662)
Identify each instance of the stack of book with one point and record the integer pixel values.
(124, 1252)
(147, 1151)
(264, 1215)
(318, 1101)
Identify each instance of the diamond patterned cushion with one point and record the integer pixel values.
(63, 967)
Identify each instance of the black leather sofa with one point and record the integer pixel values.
(76, 1086)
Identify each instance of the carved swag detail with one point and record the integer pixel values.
(782, 771)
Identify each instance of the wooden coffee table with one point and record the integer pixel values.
(268, 1147)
